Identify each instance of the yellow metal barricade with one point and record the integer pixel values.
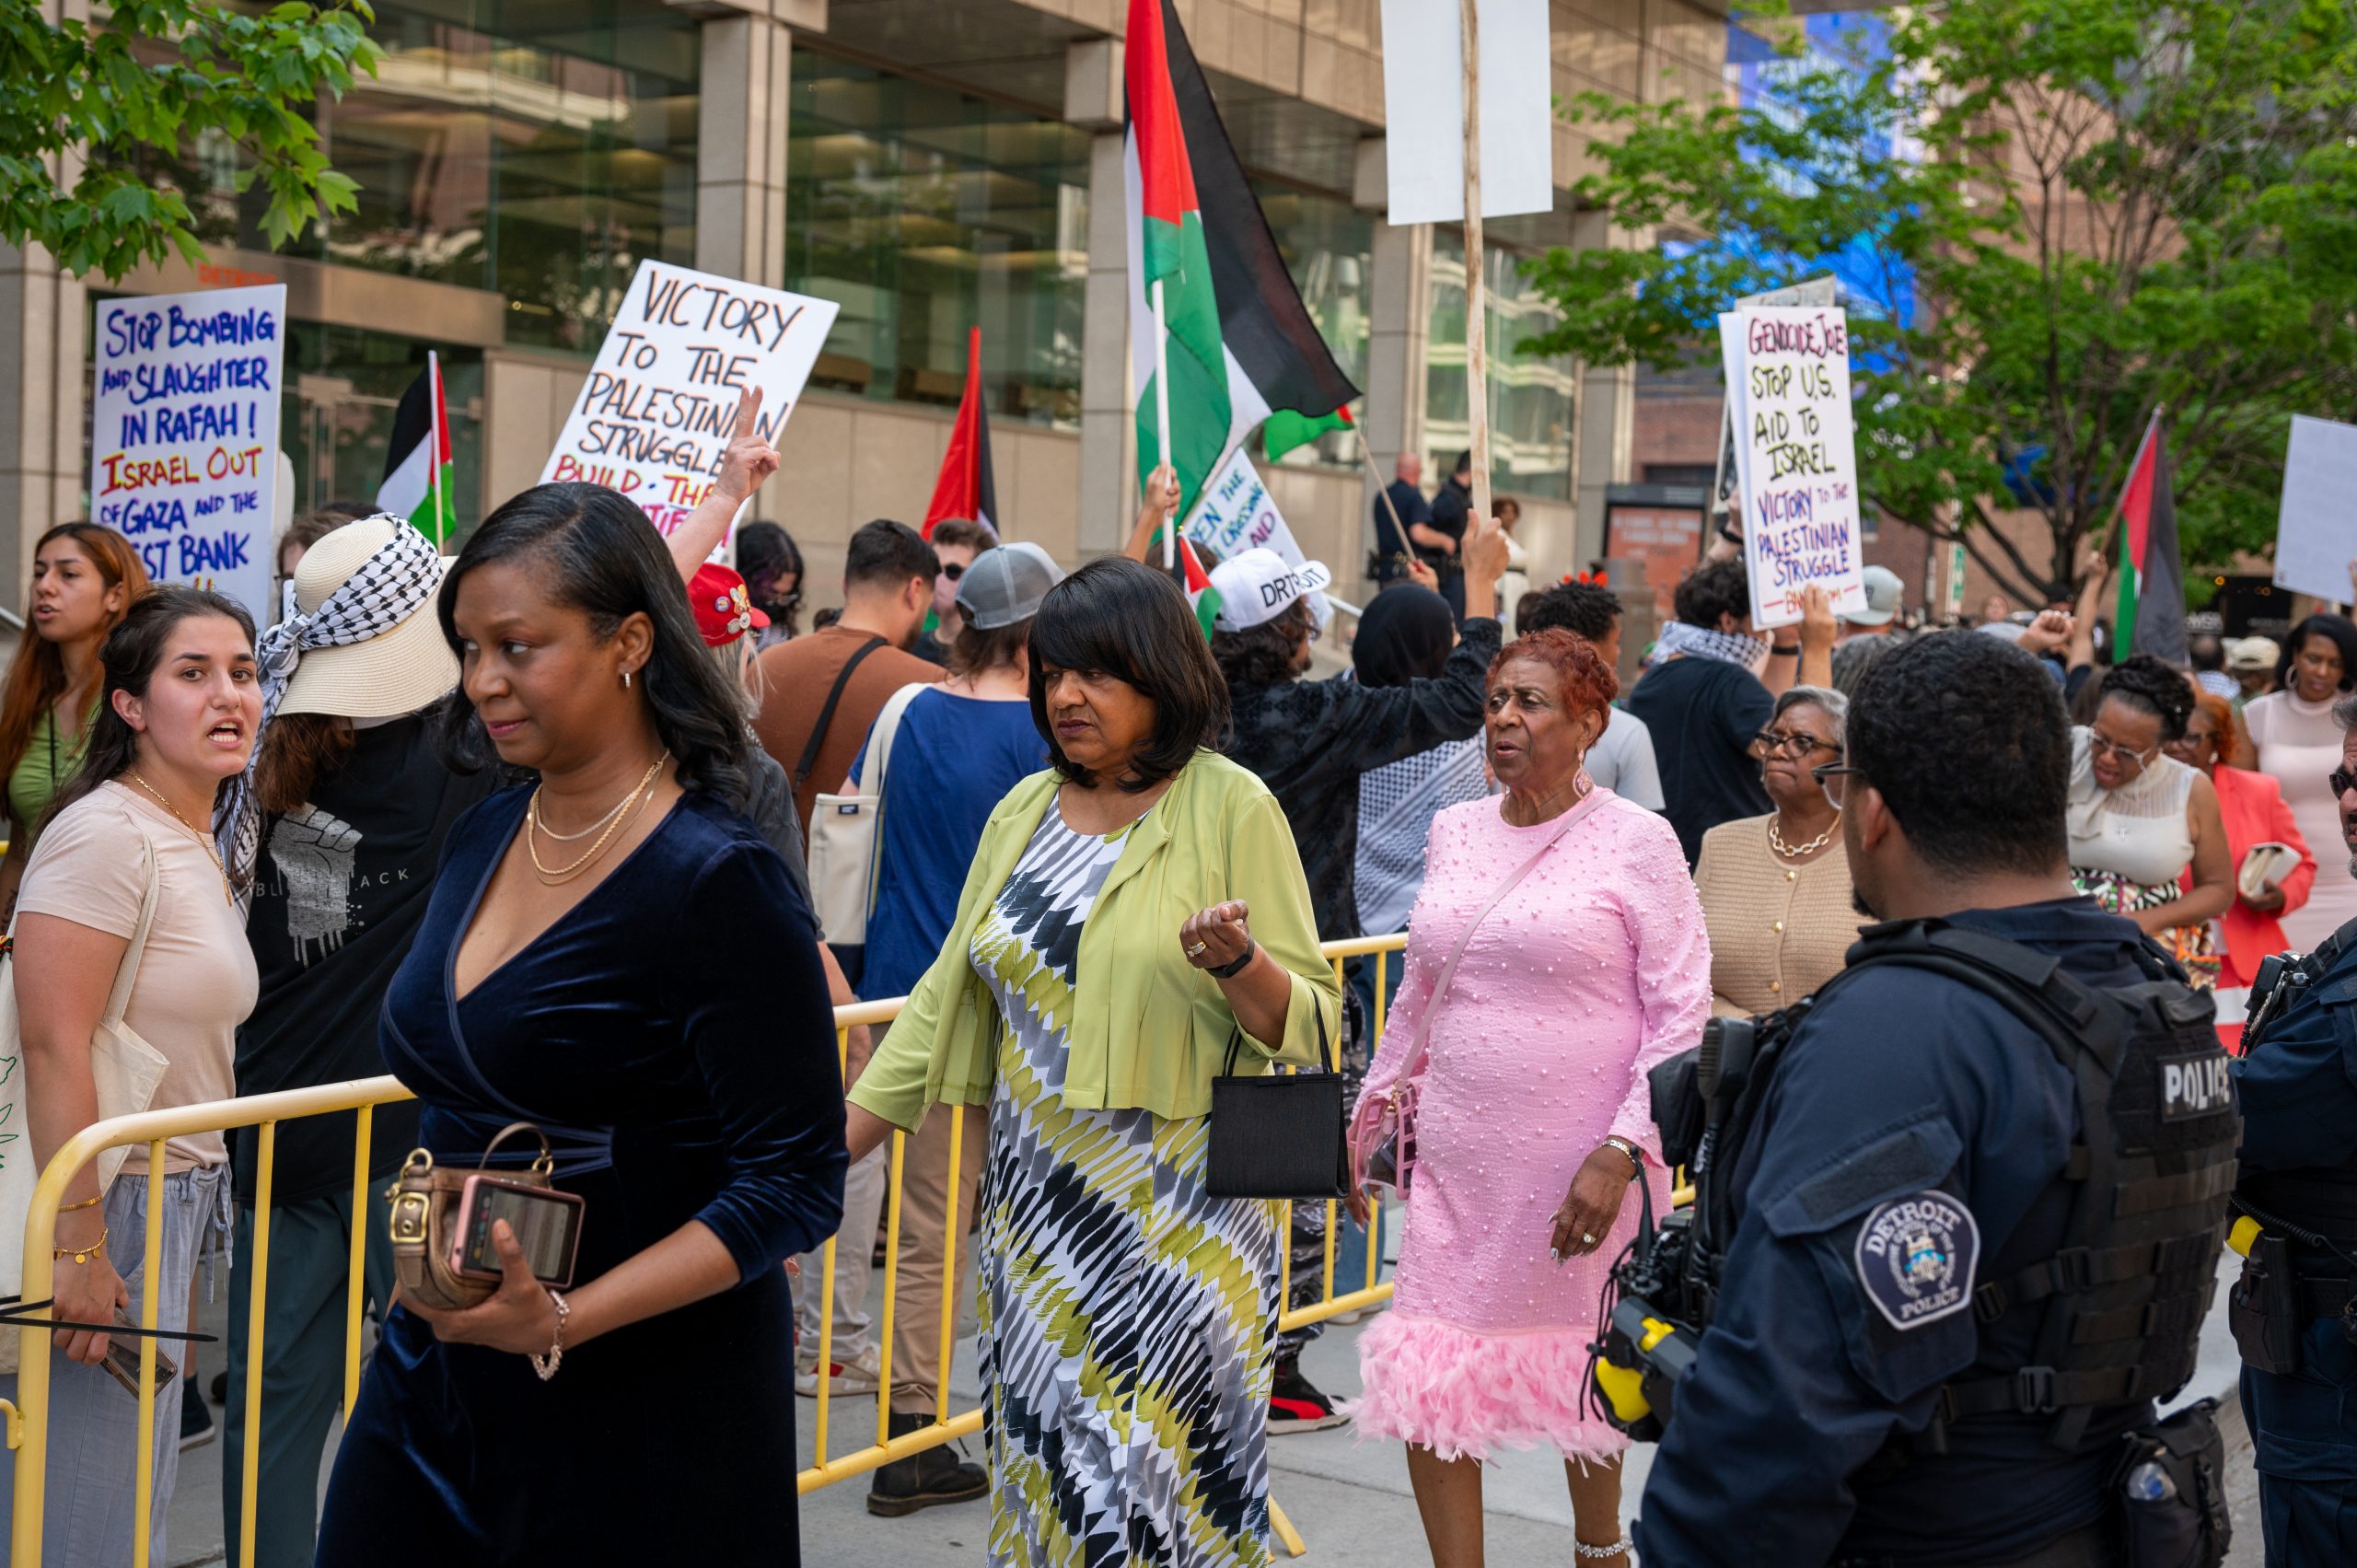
(28, 1421)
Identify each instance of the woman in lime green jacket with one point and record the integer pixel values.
(1129, 914)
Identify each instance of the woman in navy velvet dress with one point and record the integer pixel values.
(588, 962)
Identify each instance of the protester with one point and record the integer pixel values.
(2207, 653)
(2300, 745)
(303, 532)
(85, 580)
(1557, 954)
(1703, 705)
(1776, 889)
(956, 543)
(1393, 554)
(2251, 807)
(1870, 631)
(1100, 1248)
(180, 702)
(2140, 818)
(771, 564)
(961, 748)
(831, 685)
(1996, 609)
(352, 805)
(1451, 512)
(1513, 583)
(2252, 661)
(1623, 758)
(688, 1087)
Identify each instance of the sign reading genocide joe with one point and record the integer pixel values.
(1788, 390)
(184, 416)
(655, 416)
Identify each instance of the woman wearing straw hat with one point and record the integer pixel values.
(342, 824)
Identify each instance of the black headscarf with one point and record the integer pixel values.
(1406, 634)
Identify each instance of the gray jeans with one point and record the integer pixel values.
(91, 1493)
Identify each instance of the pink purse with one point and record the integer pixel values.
(1383, 1130)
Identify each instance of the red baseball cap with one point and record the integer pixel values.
(724, 609)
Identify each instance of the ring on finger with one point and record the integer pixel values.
(1198, 950)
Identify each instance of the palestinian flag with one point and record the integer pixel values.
(965, 488)
(2150, 616)
(1285, 430)
(1242, 345)
(1201, 594)
(417, 483)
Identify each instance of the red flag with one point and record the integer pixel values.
(965, 489)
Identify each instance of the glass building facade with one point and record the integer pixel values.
(1531, 399)
(1328, 247)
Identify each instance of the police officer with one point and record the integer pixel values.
(2298, 1083)
(1861, 1396)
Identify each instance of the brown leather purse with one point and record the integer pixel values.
(424, 1217)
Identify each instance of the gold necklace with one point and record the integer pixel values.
(1793, 852)
(641, 792)
(549, 833)
(204, 839)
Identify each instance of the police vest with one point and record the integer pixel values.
(2119, 1306)
(2323, 1200)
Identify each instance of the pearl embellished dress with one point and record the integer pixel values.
(1595, 969)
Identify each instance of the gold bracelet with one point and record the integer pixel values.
(83, 1254)
(87, 1202)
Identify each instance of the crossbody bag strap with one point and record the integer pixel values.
(888, 730)
(826, 713)
(1448, 968)
(126, 974)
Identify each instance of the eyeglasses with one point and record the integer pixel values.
(2342, 781)
(2126, 756)
(1833, 770)
(952, 570)
(1774, 742)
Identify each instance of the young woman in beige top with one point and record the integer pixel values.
(1776, 889)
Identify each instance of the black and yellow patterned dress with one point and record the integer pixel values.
(1126, 1315)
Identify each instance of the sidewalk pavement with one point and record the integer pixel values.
(1350, 1499)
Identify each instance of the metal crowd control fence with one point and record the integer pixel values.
(28, 1419)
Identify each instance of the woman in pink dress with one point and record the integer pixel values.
(1533, 1117)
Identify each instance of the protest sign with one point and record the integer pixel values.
(655, 416)
(184, 415)
(1788, 390)
(1424, 104)
(2314, 540)
(1235, 514)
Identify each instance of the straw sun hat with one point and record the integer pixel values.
(384, 676)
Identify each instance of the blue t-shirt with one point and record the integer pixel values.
(953, 761)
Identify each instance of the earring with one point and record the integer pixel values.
(625, 680)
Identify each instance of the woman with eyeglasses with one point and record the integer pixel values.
(2139, 819)
(2299, 743)
(1776, 889)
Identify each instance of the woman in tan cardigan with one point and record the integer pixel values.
(1776, 889)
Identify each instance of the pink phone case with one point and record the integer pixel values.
(475, 1186)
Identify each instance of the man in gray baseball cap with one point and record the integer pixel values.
(1004, 585)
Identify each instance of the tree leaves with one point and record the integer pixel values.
(77, 101)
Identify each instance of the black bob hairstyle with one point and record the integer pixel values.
(597, 554)
(1121, 617)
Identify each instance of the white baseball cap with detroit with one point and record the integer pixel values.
(1257, 586)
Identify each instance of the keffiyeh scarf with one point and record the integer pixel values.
(389, 587)
(1698, 641)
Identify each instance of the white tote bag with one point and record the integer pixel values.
(843, 838)
(124, 1068)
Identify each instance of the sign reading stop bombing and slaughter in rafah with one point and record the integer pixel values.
(655, 414)
(184, 416)
(1788, 388)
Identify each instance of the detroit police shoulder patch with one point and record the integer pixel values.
(1916, 1257)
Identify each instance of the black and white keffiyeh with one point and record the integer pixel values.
(389, 588)
(1701, 642)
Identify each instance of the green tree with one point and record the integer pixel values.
(2054, 216)
(78, 101)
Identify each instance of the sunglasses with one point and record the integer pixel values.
(953, 571)
(2342, 781)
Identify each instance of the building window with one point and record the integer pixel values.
(1531, 399)
(1328, 247)
(336, 414)
(921, 210)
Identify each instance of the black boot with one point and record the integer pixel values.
(923, 1480)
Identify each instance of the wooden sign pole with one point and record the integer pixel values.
(1477, 365)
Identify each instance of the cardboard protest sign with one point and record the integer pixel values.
(1423, 106)
(655, 416)
(1235, 514)
(184, 415)
(1788, 392)
(2314, 536)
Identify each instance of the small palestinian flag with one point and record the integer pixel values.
(965, 488)
(1242, 344)
(417, 483)
(1200, 592)
(1286, 430)
(2150, 615)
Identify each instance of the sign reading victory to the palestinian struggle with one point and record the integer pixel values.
(184, 412)
(655, 414)
(1788, 390)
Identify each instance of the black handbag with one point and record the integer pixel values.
(1278, 1134)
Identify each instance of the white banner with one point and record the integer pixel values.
(1788, 393)
(184, 415)
(1235, 514)
(655, 414)
(1424, 109)
(2314, 538)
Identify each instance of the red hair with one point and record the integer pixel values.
(1587, 681)
(2229, 737)
(37, 675)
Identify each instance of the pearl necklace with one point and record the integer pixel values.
(1793, 852)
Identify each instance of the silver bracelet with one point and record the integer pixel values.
(1636, 1156)
(1625, 1543)
(546, 1366)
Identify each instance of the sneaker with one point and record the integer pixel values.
(1295, 1405)
(861, 1375)
(924, 1480)
(196, 1418)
